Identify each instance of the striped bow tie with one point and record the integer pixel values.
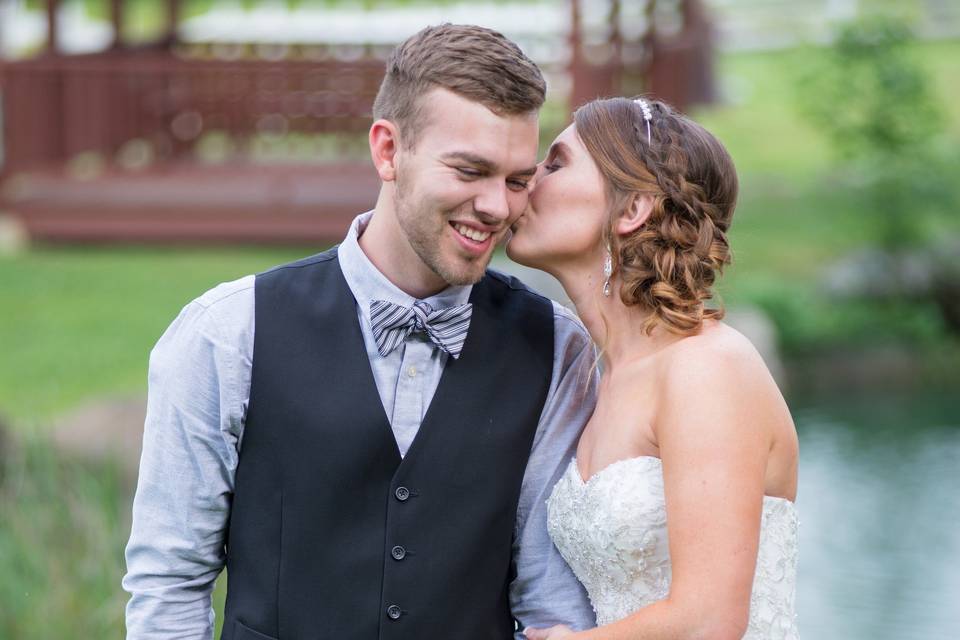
(446, 328)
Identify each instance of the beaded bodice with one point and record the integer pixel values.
(612, 531)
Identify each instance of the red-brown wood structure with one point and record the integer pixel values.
(104, 146)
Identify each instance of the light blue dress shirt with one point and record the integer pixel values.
(199, 388)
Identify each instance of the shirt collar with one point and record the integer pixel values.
(367, 283)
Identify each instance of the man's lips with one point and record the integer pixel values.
(472, 232)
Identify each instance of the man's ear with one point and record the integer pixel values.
(635, 215)
(384, 144)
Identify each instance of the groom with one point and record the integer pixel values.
(366, 438)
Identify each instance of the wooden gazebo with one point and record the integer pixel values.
(109, 146)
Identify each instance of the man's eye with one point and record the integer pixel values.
(518, 185)
(468, 173)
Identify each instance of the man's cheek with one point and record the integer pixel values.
(518, 204)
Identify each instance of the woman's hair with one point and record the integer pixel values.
(670, 263)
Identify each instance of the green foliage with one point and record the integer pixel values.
(61, 546)
(870, 95)
(810, 324)
(876, 103)
(65, 527)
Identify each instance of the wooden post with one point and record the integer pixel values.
(616, 47)
(649, 40)
(53, 7)
(575, 68)
(116, 18)
(173, 22)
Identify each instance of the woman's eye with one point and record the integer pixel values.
(550, 167)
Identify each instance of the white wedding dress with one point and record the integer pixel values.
(612, 531)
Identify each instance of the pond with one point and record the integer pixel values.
(879, 502)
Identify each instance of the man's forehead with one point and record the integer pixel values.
(451, 120)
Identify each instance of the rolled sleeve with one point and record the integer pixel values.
(545, 591)
(198, 385)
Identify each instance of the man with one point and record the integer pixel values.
(365, 438)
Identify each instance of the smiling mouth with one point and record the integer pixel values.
(470, 233)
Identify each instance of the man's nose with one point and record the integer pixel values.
(492, 201)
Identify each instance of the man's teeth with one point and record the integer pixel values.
(473, 234)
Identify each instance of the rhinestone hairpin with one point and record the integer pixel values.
(647, 115)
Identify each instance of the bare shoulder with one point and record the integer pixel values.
(717, 380)
(719, 355)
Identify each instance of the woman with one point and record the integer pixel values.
(677, 513)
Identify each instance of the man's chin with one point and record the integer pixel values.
(466, 274)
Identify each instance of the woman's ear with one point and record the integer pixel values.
(384, 144)
(635, 215)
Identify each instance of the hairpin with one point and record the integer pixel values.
(647, 115)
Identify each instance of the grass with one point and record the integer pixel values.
(78, 323)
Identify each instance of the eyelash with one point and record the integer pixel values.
(516, 185)
(551, 167)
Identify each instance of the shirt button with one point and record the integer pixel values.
(412, 371)
(402, 494)
(394, 612)
(398, 553)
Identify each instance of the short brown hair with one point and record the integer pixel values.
(669, 265)
(474, 62)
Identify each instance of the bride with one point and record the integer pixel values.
(677, 512)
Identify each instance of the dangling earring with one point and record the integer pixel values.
(607, 272)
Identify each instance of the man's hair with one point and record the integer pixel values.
(474, 62)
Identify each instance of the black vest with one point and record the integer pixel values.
(332, 534)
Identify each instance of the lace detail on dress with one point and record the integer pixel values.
(612, 531)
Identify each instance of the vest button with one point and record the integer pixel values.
(398, 553)
(394, 612)
(402, 494)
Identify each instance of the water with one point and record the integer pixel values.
(879, 502)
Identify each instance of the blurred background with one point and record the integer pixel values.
(150, 149)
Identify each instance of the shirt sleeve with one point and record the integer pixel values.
(198, 388)
(545, 591)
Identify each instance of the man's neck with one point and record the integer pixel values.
(385, 245)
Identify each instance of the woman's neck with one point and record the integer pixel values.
(618, 329)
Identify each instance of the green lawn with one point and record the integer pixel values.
(78, 322)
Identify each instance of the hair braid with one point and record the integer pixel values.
(671, 263)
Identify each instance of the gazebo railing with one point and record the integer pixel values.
(55, 107)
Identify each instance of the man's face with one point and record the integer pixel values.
(464, 183)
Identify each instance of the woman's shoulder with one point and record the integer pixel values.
(719, 372)
(717, 349)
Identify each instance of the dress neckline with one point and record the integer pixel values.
(575, 468)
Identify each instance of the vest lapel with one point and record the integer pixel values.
(460, 376)
(344, 307)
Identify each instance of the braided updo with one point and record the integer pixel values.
(669, 265)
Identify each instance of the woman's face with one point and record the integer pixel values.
(563, 223)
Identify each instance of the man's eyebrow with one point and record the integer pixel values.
(482, 163)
